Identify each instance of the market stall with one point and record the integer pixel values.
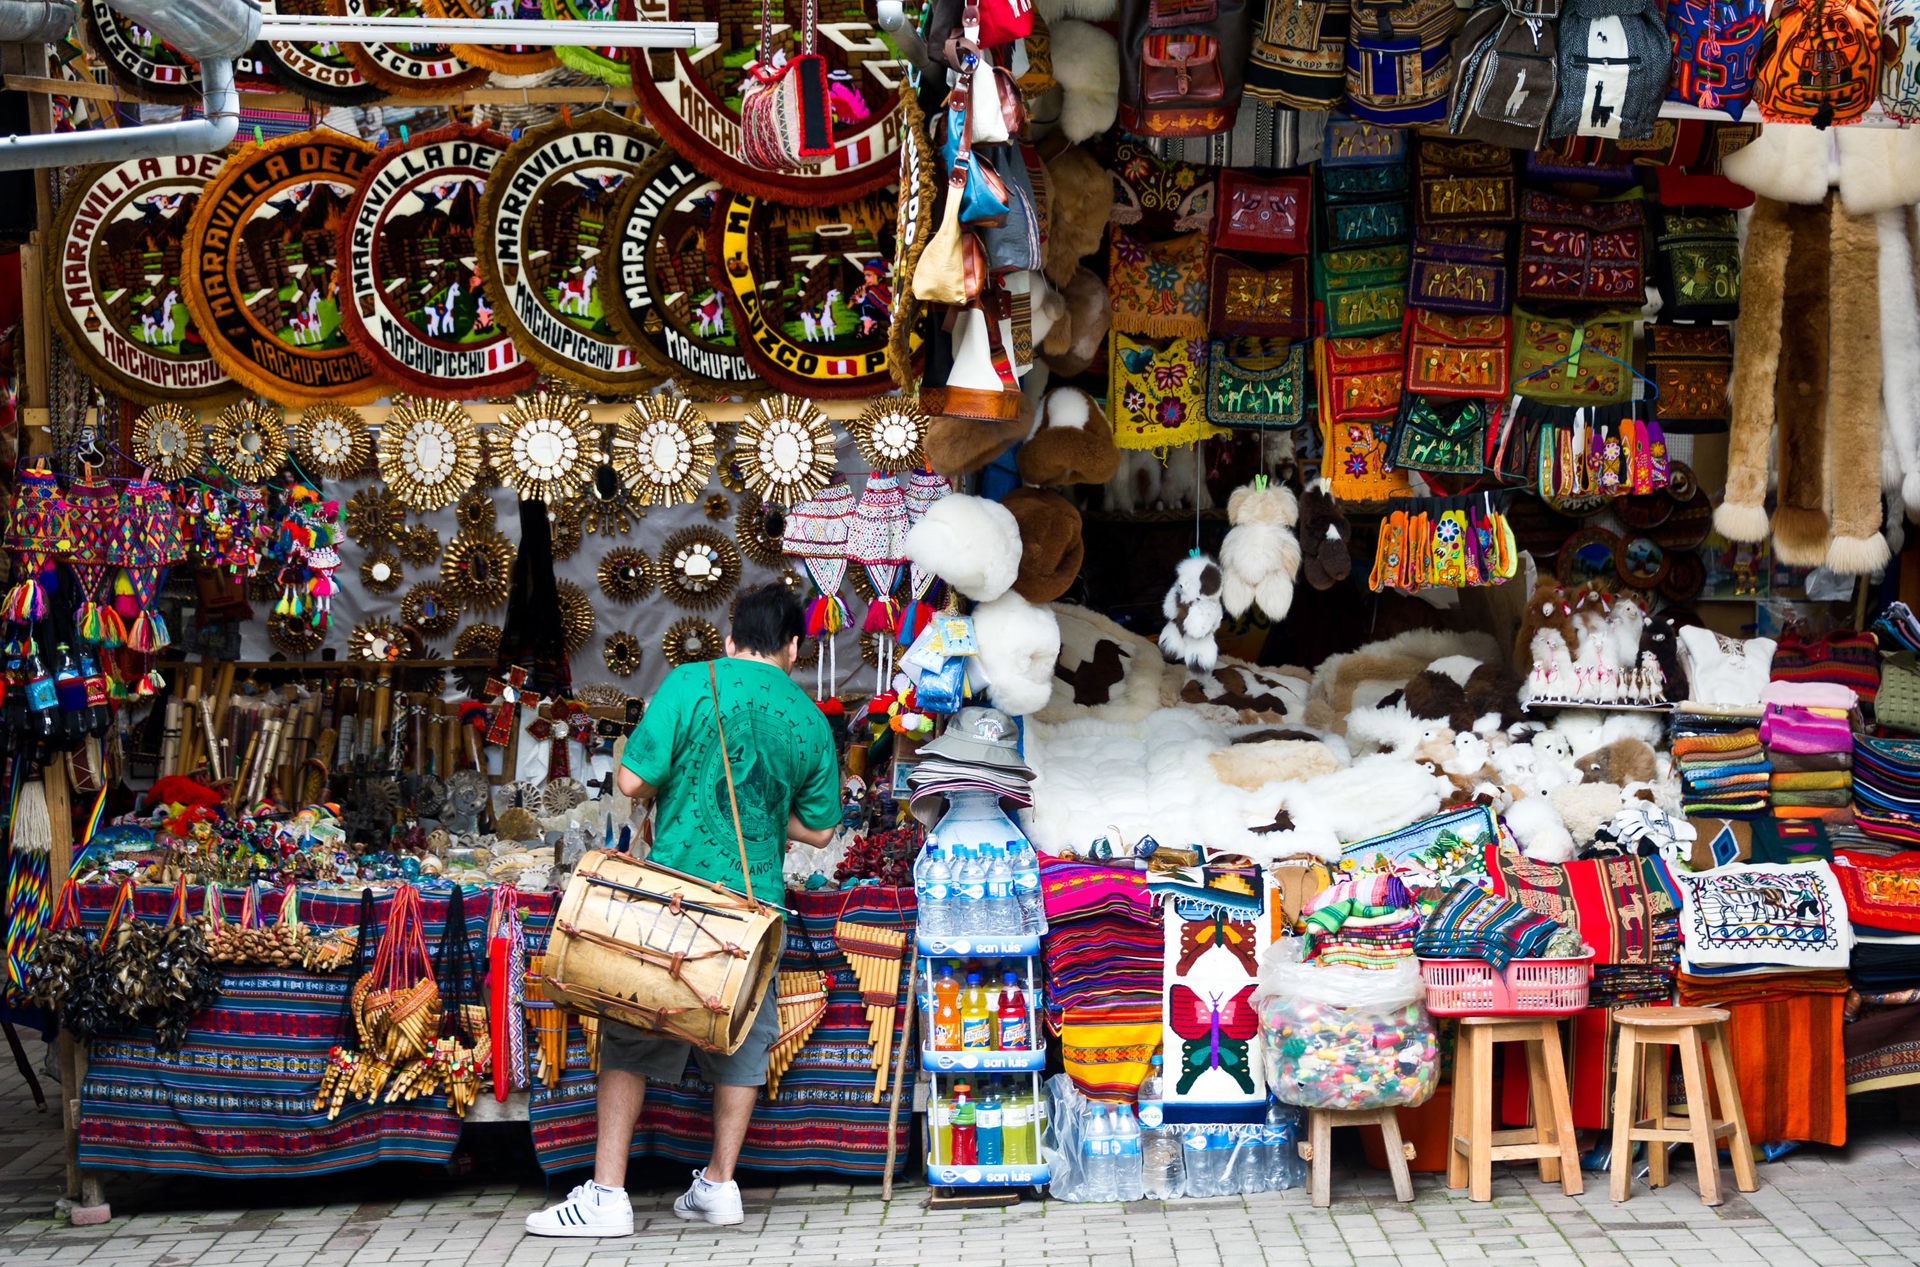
(1317, 537)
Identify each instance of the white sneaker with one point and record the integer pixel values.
(588, 1211)
(717, 1203)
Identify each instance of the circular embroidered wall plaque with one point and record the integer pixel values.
(417, 306)
(808, 290)
(117, 294)
(609, 64)
(660, 296)
(546, 239)
(407, 70)
(137, 60)
(693, 97)
(321, 69)
(508, 59)
(262, 276)
(913, 228)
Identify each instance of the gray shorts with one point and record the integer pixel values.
(659, 1059)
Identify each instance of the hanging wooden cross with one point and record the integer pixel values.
(511, 695)
(552, 725)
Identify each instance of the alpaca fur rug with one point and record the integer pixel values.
(1104, 671)
(1394, 662)
(1800, 400)
(1742, 515)
(1854, 413)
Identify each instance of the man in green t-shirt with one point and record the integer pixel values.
(786, 783)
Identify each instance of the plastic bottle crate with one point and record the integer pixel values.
(1527, 987)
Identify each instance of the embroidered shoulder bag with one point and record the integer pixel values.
(1458, 355)
(1260, 212)
(786, 119)
(1365, 377)
(1363, 291)
(1692, 369)
(1256, 383)
(1460, 268)
(1463, 182)
(1714, 42)
(1439, 436)
(1697, 264)
(1552, 359)
(1576, 250)
(1248, 299)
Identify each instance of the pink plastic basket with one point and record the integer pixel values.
(1528, 987)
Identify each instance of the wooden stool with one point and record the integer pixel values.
(1475, 1144)
(1690, 1029)
(1317, 1149)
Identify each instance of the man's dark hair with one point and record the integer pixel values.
(767, 618)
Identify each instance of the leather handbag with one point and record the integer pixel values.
(1250, 300)
(940, 276)
(984, 199)
(1256, 383)
(786, 117)
(1260, 212)
(1182, 65)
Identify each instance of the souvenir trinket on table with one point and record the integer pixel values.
(695, 98)
(417, 306)
(406, 70)
(543, 250)
(808, 291)
(268, 234)
(659, 297)
(124, 319)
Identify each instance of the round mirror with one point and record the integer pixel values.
(546, 450)
(1642, 563)
(665, 454)
(783, 452)
(380, 570)
(430, 455)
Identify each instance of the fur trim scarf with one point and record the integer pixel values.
(1821, 412)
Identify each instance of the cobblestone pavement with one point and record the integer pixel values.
(1831, 1207)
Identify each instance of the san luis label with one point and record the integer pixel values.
(417, 304)
(121, 235)
(264, 281)
(661, 297)
(547, 237)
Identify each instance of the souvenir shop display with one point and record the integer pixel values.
(1316, 526)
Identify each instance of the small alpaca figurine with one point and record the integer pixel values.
(1193, 612)
(1552, 673)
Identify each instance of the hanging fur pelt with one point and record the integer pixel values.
(1900, 352)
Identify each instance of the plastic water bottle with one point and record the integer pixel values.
(969, 892)
(1097, 1149)
(933, 889)
(1284, 1167)
(987, 1130)
(1026, 885)
(1163, 1172)
(1128, 1169)
(1247, 1172)
(1003, 917)
(1205, 1163)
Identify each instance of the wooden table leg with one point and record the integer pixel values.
(1461, 1126)
(1655, 1090)
(1541, 1106)
(1706, 1152)
(1480, 1159)
(1320, 1135)
(1572, 1182)
(1745, 1176)
(1396, 1155)
(1620, 1178)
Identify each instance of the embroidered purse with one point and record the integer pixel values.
(1354, 142)
(1355, 465)
(1160, 386)
(1363, 291)
(1158, 288)
(1365, 377)
(1444, 437)
(1574, 250)
(1363, 207)
(1460, 268)
(1463, 182)
(1552, 359)
(1298, 59)
(1691, 368)
(1582, 160)
(1247, 300)
(1458, 356)
(1163, 192)
(1400, 61)
(786, 119)
(1262, 213)
(1697, 264)
(1256, 383)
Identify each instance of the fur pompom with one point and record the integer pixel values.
(1192, 609)
(1086, 63)
(970, 543)
(1858, 556)
(1018, 646)
(1741, 523)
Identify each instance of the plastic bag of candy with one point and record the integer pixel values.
(1339, 1037)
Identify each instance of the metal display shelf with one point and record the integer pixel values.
(964, 947)
(977, 1061)
(988, 1176)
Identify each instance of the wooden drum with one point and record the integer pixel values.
(662, 951)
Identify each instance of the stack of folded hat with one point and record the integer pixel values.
(1886, 789)
(1722, 764)
(978, 752)
(1808, 731)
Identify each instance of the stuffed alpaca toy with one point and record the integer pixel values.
(1073, 443)
(1551, 674)
(1659, 639)
(1086, 64)
(1537, 826)
(1547, 607)
(1260, 556)
(1553, 761)
(969, 542)
(1080, 200)
(1019, 643)
(1074, 341)
(1623, 761)
(1192, 609)
(1135, 484)
(1324, 534)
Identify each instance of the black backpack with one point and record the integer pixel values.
(1506, 74)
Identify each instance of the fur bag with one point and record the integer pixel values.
(1193, 612)
(1260, 557)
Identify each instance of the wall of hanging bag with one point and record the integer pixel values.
(1460, 542)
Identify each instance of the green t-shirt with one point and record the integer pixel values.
(783, 763)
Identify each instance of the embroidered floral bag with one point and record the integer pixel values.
(1696, 264)
(1460, 268)
(1250, 299)
(1256, 383)
(1363, 291)
(1458, 355)
(1577, 250)
(1554, 361)
(1692, 368)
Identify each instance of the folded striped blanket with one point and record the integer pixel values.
(1471, 923)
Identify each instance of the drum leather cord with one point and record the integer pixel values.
(726, 764)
